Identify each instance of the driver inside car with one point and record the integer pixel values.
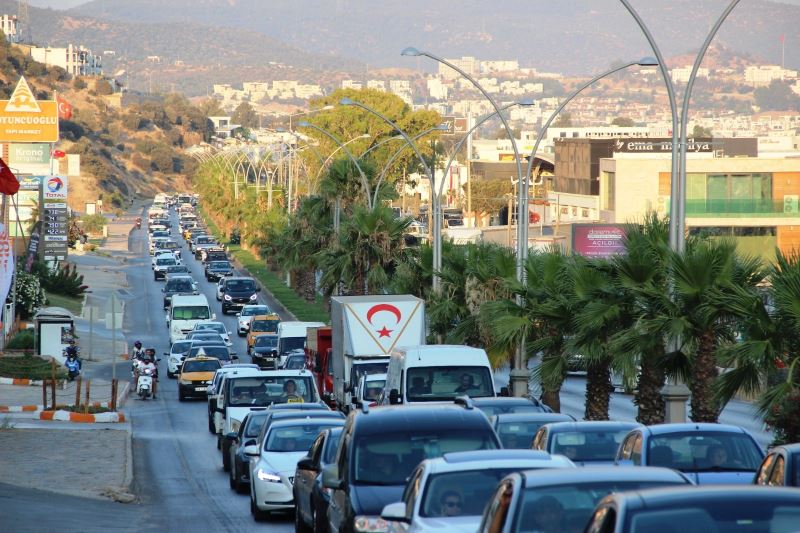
(290, 389)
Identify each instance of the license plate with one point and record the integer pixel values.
(200, 389)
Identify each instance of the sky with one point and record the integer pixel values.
(60, 4)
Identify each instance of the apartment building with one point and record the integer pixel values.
(10, 25)
(76, 60)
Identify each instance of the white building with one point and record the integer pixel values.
(499, 66)
(468, 64)
(379, 85)
(352, 84)
(77, 61)
(762, 76)
(436, 89)
(306, 91)
(10, 28)
(681, 75)
(253, 87)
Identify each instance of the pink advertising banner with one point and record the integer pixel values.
(598, 240)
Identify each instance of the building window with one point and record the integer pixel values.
(607, 190)
(729, 193)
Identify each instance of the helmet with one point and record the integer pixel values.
(138, 344)
(71, 351)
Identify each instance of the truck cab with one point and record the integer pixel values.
(292, 335)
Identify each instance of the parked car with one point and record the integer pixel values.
(584, 442)
(195, 376)
(516, 430)
(563, 500)
(781, 467)
(707, 453)
(502, 405)
(214, 270)
(274, 461)
(448, 493)
(245, 316)
(380, 448)
(238, 292)
(699, 510)
(310, 498)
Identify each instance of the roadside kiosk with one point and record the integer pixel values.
(54, 327)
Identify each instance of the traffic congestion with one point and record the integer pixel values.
(360, 425)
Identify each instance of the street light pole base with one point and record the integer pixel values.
(519, 382)
(675, 398)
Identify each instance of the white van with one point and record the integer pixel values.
(185, 311)
(292, 335)
(437, 373)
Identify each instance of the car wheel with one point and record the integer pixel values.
(181, 397)
(226, 460)
(257, 513)
(170, 375)
(319, 519)
(211, 428)
(233, 478)
(300, 525)
(241, 334)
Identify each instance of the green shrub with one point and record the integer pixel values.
(78, 84)
(93, 223)
(22, 340)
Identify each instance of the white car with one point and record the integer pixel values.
(163, 253)
(454, 489)
(153, 242)
(220, 284)
(245, 316)
(273, 462)
(216, 327)
(175, 356)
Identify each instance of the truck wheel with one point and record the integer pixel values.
(211, 428)
(181, 397)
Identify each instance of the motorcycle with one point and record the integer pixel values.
(146, 374)
(138, 222)
(73, 365)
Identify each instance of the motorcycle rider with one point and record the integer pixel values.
(137, 353)
(73, 363)
(150, 359)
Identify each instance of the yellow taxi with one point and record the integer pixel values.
(195, 376)
(262, 325)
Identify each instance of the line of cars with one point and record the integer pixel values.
(423, 462)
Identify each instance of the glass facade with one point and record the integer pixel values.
(730, 194)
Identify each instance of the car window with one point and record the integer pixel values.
(294, 438)
(497, 512)
(239, 285)
(447, 382)
(201, 366)
(264, 390)
(255, 310)
(762, 477)
(315, 451)
(180, 346)
(266, 341)
(373, 389)
(540, 439)
(190, 312)
(722, 514)
(636, 452)
(254, 425)
(588, 445)
(330, 446)
(411, 492)
(518, 435)
(776, 478)
(265, 326)
(464, 493)
(218, 352)
(696, 451)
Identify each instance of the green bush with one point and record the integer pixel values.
(22, 340)
(78, 84)
(93, 223)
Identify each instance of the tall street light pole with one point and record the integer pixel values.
(675, 391)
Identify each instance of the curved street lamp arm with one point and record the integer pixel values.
(394, 157)
(339, 143)
(354, 139)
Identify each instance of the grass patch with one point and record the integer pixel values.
(92, 410)
(303, 310)
(29, 367)
(70, 303)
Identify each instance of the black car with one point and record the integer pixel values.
(239, 462)
(380, 448)
(264, 352)
(213, 254)
(310, 499)
(177, 284)
(503, 405)
(238, 292)
(218, 269)
(178, 269)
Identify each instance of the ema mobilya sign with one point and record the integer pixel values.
(23, 119)
(637, 145)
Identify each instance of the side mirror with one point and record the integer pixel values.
(231, 436)
(251, 442)
(394, 397)
(213, 316)
(354, 399)
(306, 463)
(504, 392)
(330, 477)
(395, 512)
(251, 450)
(166, 353)
(258, 288)
(234, 357)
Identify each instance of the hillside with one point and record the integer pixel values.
(134, 151)
(570, 36)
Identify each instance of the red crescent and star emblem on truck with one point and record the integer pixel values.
(384, 331)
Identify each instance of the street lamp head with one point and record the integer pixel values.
(526, 102)
(648, 62)
(411, 52)
(304, 124)
(346, 101)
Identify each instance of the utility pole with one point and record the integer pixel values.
(113, 337)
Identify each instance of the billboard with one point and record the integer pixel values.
(20, 217)
(55, 217)
(29, 154)
(638, 145)
(23, 119)
(598, 240)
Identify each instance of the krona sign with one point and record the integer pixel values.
(378, 328)
(24, 119)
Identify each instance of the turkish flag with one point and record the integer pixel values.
(64, 108)
(59, 154)
(8, 181)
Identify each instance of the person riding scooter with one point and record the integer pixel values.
(73, 363)
(138, 222)
(137, 354)
(148, 360)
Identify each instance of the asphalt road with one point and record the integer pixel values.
(178, 469)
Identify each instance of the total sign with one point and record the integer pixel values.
(55, 188)
(377, 325)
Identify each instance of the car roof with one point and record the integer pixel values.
(543, 478)
(663, 429)
(504, 400)
(417, 418)
(592, 425)
(505, 418)
(486, 459)
(268, 316)
(300, 421)
(288, 414)
(200, 358)
(374, 377)
(306, 406)
(243, 369)
(669, 497)
(239, 278)
(790, 448)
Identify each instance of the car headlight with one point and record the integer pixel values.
(227, 298)
(185, 382)
(235, 425)
(371, 524)
(253, 296)
(267, 475)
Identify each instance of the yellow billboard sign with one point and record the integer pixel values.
(23, 119)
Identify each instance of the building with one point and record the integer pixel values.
(468, 64)
(10, 25)
(762, 76)
(436, 89)
(77, 61)
(681, 75)
(223, 127)
(352, 84)
(379, 85)
(487, 67)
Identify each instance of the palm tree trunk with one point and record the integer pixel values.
(704, 373)
(551, 389)
(648, 396)
(309, 286)
(598, 391)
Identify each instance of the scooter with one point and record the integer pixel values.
(146, 373)
(138, 222)
(73, 365)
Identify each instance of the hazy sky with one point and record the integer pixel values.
(56, 4)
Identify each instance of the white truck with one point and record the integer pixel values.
(364, 331)
(292, 336)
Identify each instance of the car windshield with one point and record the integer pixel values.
(218, 352)
(219, 265)
(431, 383)
(190, 312)
(330, 446)
(588, 445)
(181, 346)
(468, 491)
(219, 328)
(162, 261)
(722, 514)
(240, 285)
(204, 240)
(388, 458)
(368, 368)
(201, 366)
(264, 390)
(204, 335)
(266, 326)
(567, 508)
(174, 269)
(288, 344)
(266, 341)
(373, 389)
(704, 452)
(510, 408)
(255, 310)
(296, 363)
(295, 438)
(518, 435)
(171, 245)
(254, 424)
(179, 285)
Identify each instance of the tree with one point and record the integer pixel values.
(623, 122)
(777, 97)
(564, 120)
(699, 132)
(103, 87)
(245, 116)
(490, 195)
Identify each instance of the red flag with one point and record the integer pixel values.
(59, 154)
(64, 108)
(8, 181)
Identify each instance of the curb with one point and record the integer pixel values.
(20, 408)
(22, 382)
(84, 418)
